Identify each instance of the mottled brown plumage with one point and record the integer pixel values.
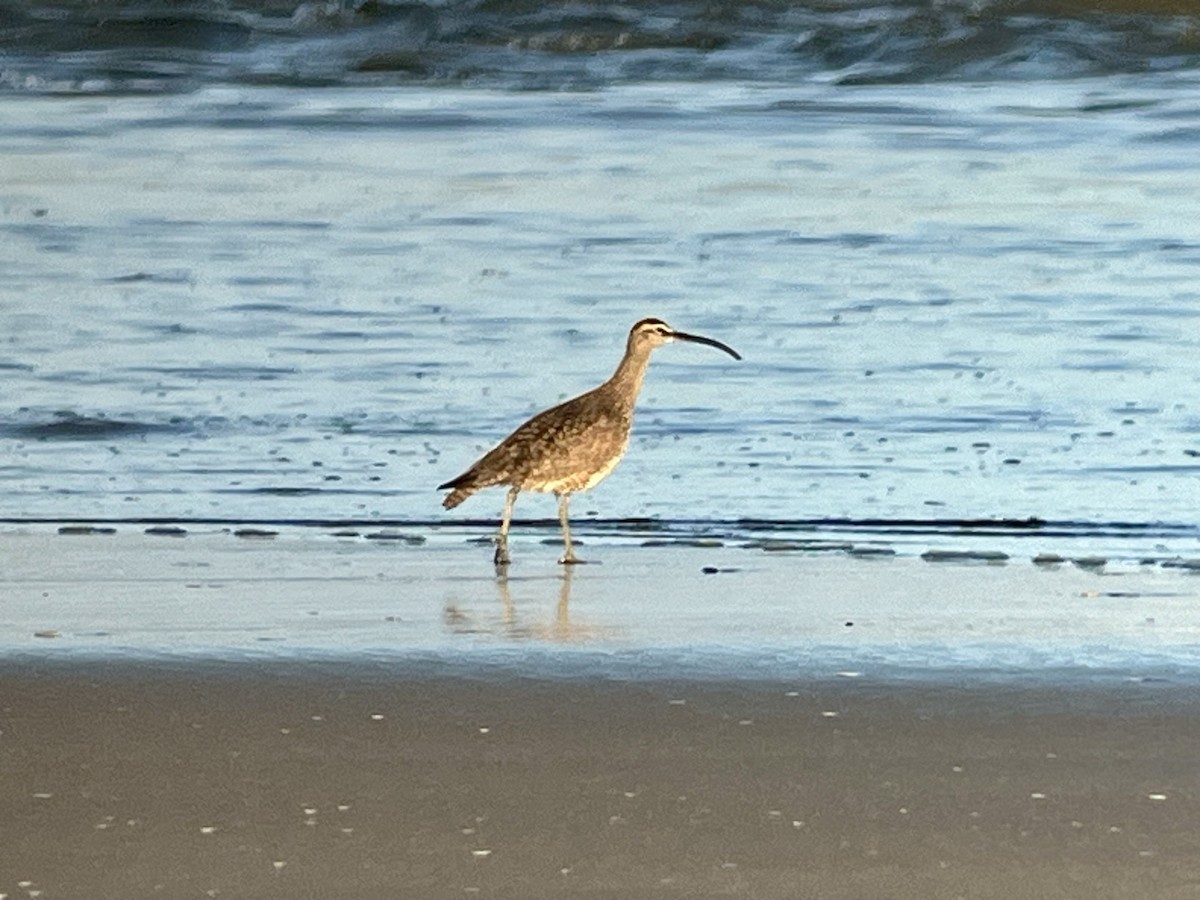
(573, 446)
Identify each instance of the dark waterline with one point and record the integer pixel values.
(1170, 545)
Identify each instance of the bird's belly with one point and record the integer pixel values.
(581, 479)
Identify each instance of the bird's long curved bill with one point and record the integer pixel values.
(700, 339)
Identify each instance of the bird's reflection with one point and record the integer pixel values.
(515, 624)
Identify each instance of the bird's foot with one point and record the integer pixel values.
(501, 558)
(572, 560)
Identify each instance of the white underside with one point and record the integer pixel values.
(564, 486)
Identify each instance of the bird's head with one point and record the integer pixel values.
(650, 333)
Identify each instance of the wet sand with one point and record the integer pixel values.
(282, 779)
(452, 736)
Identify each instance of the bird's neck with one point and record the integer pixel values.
(626, 382)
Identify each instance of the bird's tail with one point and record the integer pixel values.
(461, 488)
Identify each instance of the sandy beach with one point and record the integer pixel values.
(303, 716)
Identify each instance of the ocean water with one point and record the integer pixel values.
(301, 262)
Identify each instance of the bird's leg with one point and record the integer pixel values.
(568, 557)
(502, 558)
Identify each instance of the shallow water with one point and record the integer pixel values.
(968, 292)
(711, 612)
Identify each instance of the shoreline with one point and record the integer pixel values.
(1171, 545)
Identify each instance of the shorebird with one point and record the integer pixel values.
(571, 447)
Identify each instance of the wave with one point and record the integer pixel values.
(163, 45)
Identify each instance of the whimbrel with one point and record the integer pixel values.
(573, 446)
